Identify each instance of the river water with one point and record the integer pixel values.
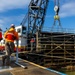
(70, 73)
(67, 72)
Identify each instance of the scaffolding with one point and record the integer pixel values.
(58, 48)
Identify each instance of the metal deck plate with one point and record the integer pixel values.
(4, 68)
(5, 73)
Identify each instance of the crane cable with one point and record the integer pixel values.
(56, 17)
(24, 19)
(56, 6)
(56, 3)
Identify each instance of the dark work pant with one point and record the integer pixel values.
(9, 48)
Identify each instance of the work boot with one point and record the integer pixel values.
(3, 60)
(8, 61)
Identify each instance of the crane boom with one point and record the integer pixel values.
(36, 15)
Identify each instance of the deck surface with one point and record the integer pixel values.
(31, 70)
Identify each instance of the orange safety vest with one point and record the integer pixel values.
(0, 35)
(10, 36)
(32, 40)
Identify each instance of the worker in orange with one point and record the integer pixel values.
(10, 36)
(0, 34)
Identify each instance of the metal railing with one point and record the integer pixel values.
(64, 30)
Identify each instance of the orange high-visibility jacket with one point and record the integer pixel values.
(0, 35)
(11, 35)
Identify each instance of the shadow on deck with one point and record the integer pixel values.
(33, 69)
